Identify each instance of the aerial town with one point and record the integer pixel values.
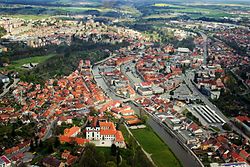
(78, 90)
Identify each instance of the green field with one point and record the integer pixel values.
(161, 154)
(16, 65)
(105, 150)
(81, 9)
(124, 131)
(30, 17)
(197, 10)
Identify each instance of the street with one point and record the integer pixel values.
(11, 86)
(205, 49)
(101, 83)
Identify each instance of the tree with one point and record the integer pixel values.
(36, 140)
(88, 157)
(41, 144)
(2, 32)
(113, 149)
(118, 154)
(57, 142)
(144, 118)
(110, 164)
(50, 148)
(32, 145)
(100, 157)
(226, 127)
(4, 60)
(93, 111)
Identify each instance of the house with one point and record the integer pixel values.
(243, 122)
(131, 120)
(65, 154)
(125, 110)
(67, 120)
(230, 164)
(157, 90)
(72, 132)
(12, 150)
(4, 79)
(145, 91)
(244, 154)
(3, 49)
(77, 140)
(70, 159)
(4, 161)
(195, 129)
(186, 137)
(183, 50)
(52, 162)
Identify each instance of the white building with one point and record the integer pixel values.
(104, 132)
(145, 91)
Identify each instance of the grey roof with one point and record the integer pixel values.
(3, 76)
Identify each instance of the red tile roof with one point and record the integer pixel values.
(70, 132)
(242, 118)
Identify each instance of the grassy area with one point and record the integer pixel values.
(105, 150)
(194, 11)
(124, 131)
(161, 154)
(16, 65)
(164, 15)
(131, 10)
(30, 17)
(81, 9)
(166, 5)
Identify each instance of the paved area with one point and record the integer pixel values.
(5, 91)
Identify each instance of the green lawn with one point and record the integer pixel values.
(16, 65)
(105, 150)
(124, 131)
(161, 154)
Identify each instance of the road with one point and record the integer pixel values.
(188, 79)
(102, 84)
(186, 159)
(49, 131)
(5, 91)
(205, 54)
(131, 73)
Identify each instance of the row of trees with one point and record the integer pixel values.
(65, 60)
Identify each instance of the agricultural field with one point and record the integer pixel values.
(194, 11)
